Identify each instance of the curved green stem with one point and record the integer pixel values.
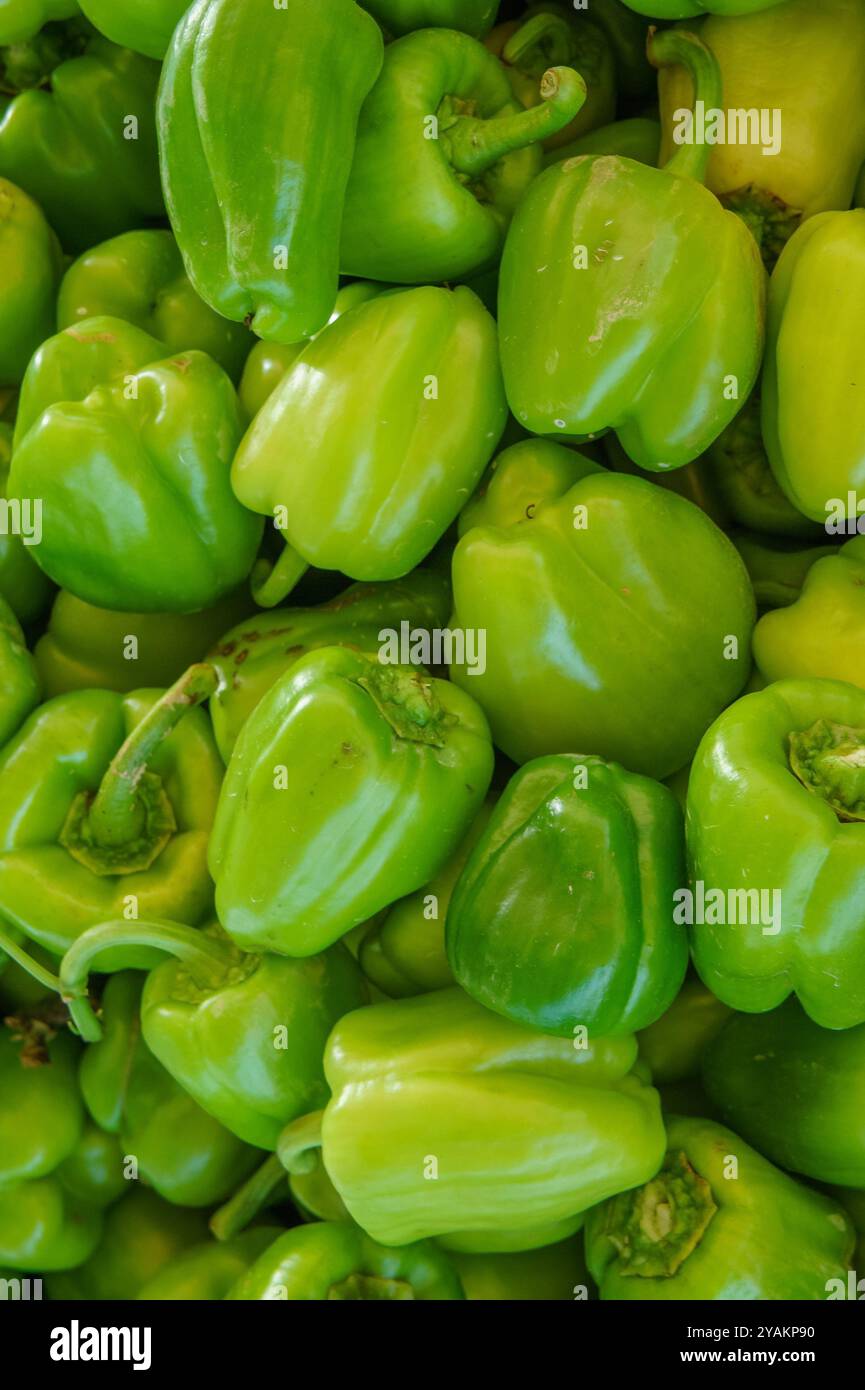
(272, 583)
(474, 145)
(199, 952)
(542, 42)
(298, 1143)
(235, 1215)
(15, 952)
(115, 814)
(679, 46)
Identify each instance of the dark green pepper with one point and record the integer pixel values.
(444, 153)
(795, 1090)
(338, 1261)
(717, 1222)
(254, 183)
(83, 144)
(562, 916)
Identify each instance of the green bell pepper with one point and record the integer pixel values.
(142, 1236)
(718, 1222)
(252, 656)
(738, 467)
(254, 184)
(402, 16)
(139, 277)
(209, 1272)
(93, 1172)
(268, 363)
(637, 138)
(552, 1274)
(444, 153)
(673, 1046)
(403, 950)
(129, 449)
(20, 685)
(83, 144)
(795, 1090)
(145, 26)
(549, 35)
(561, 917)
(597, 233)
(854, 1204)
(446, 1120)
(778, 569)
(796, 141)
(85, 648)
(242, 1034)
(43, 1225)
(23, 585)
(572, 552)
(813, 410)
(822, 633)
(21, 19)
(179, 1150)
(626, 34)
(350, 785)
(336, 1261)
(685, 9)
(775, 842)
(31, 264)
(102, 814)
(395, 410)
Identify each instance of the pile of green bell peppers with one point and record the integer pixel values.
(432, 650)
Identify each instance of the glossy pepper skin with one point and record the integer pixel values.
(142, 1236)
(801, 60)
(31, 264)
(383, 770)
(254, 184)
(638, 137)
(526, 1130)
(394, 410)
(129, 450)
(260, 1021)
(43, 1225)
(139, 277)
(252, 656)
(403, 951)
(95, 816)
(23, 585)
(738, 467)
(145, 26)
(719, 1222)
(444, 153)
(179, 1150)
(794, 1090)
(572, 552)
(775, 803)
(552, 1273)
(822, 631)
(813, 402)
(20, 686)
(83, 144)
(628, 299)
(208, 1272)
(21, 19)
(337, 1261)
(402, 16)
(673, 1046)
(85, 648)
(562, 916)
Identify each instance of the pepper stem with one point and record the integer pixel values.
(544, 40)
(125, 826)
(235, 1215)
(474, 145)
(15, 952)
(196, 950)
(272, 583)
(679, 46)
(297, 1144)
